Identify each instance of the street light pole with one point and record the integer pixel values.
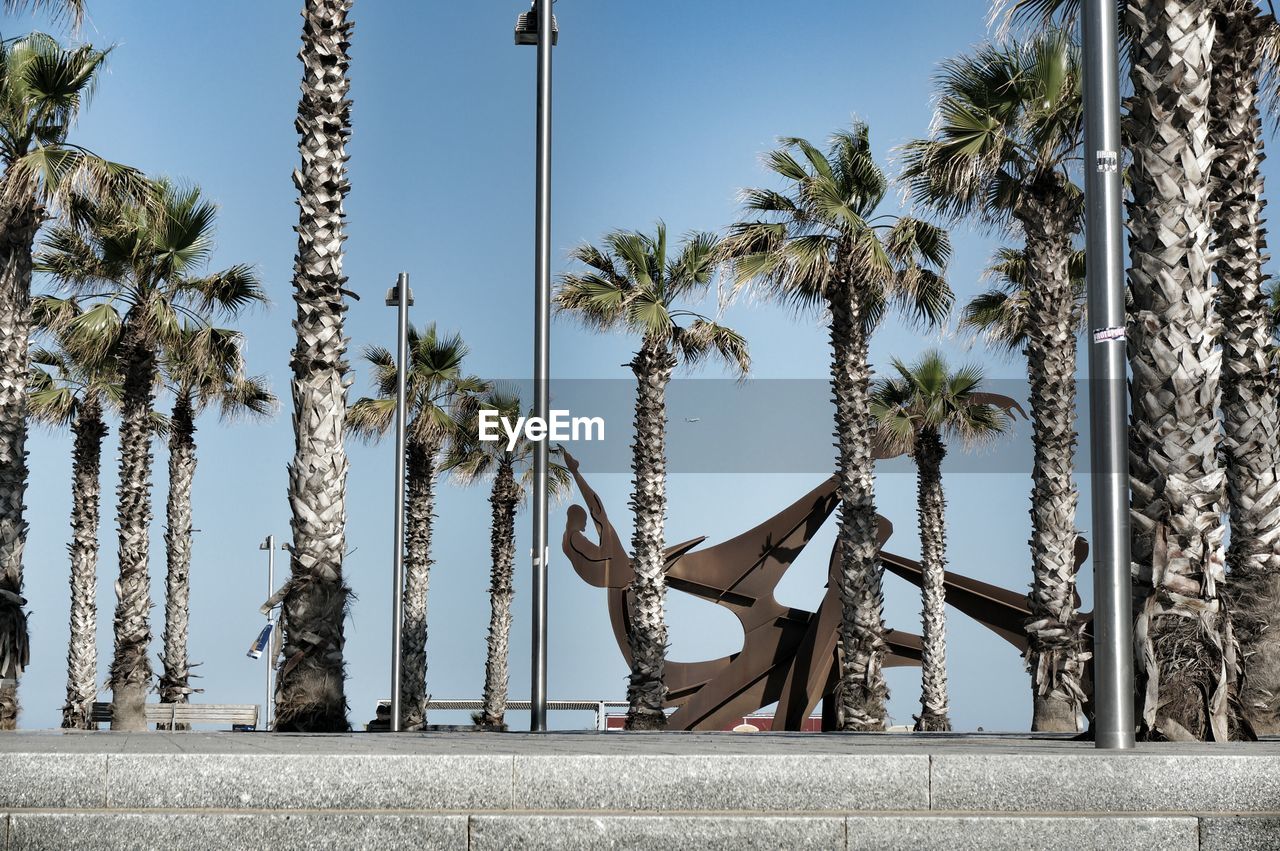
(399, 297)
(270, 546)
(546, 36)
(1108, 399)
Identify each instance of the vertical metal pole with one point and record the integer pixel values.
(271, 659)
(402, 301)
(542, 372)
(1113, 691)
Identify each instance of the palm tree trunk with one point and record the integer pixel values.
(18, 225)
(310, 695)
(1251, 416)
(503, 501)
(175, 682)
(1056, 651)
(1185, 654)
(862, 691)
(931, 510)
(86, 490)
(647, 688)
(131, 665)
(420, 473)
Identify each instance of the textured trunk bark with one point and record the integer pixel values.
(310, 695)
(647, 689)
(86, 490)
(420, 472)
(1185, 650)
(931, 511)
(131, 665)
(862, 691)
(175, 682)
(18, 229)
(1056, 652)
(1250, 413)
(503, 501)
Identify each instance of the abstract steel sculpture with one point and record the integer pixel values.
(788, 655)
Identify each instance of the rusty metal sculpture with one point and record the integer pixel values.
(789, 655)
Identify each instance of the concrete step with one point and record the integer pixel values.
(592, 790)
(255, 830)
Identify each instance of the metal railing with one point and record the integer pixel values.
(599, 707)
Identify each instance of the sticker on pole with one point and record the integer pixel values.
(1107, 335)
(1108, 162)
(260, 643)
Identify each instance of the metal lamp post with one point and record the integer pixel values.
(269, 544)
(401, 297)
(538, 26)
(1113, 688)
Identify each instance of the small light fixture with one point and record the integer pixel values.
(527, 27)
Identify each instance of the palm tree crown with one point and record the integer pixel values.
(1001, 313)
(1008, 117)
(927, 396)
(634, 283)
(827, 231)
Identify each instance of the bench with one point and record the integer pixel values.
(231, 714)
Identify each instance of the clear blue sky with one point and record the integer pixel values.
(662, 111)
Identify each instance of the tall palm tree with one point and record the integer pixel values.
(310, 695)
(43, 86)
(823, 243)
(147, 259)
(1250, 409)
(917, 410)
(1177, 478)
(203, 367)
(76, 392)
(510, 472)
(438, 394)
(1007, 132)
(632, 283)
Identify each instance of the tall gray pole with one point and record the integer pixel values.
(400, 298)
(542, 372)
(1113, 684)
(271, 639)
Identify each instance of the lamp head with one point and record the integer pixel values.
(527, 27)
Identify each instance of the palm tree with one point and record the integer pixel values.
(69, 10)
(145, 258)
(632, 283)
(471, 460)
(823, 243)
(66, 390)
(438, 393)
(916, 411)
(1177, 477)
(1007, 130)
(204, 367)
(1250, 410)
(310, 694)
(42, 89)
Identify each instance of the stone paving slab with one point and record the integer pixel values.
(1128, 782)
(645, 833)
(1240, 833)
(308, 782)
(766, 783)
(909, 832)
(582, 831)
(235, 832)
